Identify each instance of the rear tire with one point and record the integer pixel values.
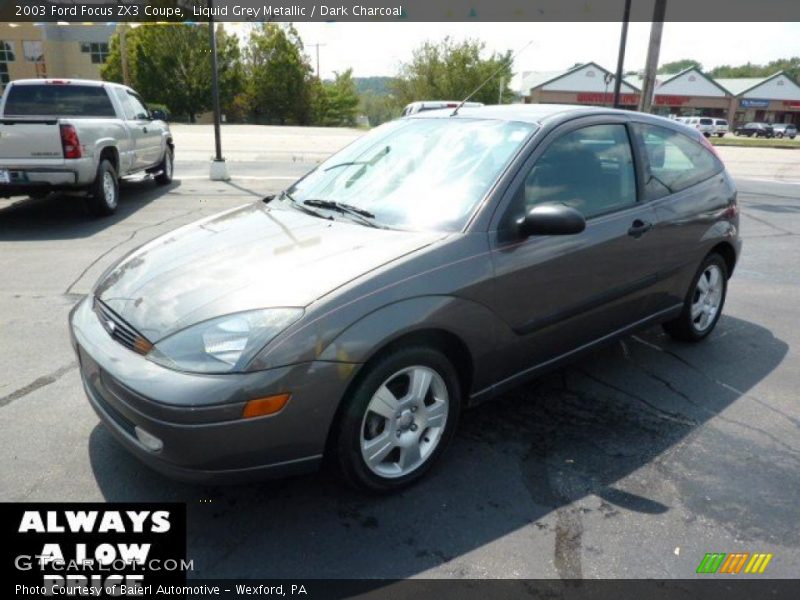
(404, 432)
(104, 193)
(166, 167)
(704, 302)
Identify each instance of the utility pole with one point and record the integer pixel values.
(501, 87)
(623, 40)
(317, 49)
(657, 27)
(123, 53)
(219, 170)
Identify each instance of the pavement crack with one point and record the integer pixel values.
(727, 387)
(133, 234)
(37, 384)
(768, 224)
(659, 412)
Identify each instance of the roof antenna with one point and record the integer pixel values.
(488, 79)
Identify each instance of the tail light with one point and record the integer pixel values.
(70, 142)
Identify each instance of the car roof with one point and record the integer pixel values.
(68, 81)
(538, 114)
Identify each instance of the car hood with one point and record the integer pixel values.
(250, 257)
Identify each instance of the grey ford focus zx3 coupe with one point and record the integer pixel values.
(434, 263)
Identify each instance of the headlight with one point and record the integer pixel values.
(224, 344)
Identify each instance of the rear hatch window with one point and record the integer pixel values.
(63, 100)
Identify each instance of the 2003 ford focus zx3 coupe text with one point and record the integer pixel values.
(434, 263)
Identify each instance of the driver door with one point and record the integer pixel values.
(558, 293)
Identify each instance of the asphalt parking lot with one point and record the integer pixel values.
(633, 462)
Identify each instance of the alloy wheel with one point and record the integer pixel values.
(404, 422)
(707, 298)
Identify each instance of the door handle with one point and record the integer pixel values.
(639, 228)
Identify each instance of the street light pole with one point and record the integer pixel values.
(623, 40)
(219, 170)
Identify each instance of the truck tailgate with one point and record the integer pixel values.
(33, 140)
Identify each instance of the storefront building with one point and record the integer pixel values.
(33, 50)
(773, 99)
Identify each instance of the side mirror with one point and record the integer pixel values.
(551, 219)
(158, 115)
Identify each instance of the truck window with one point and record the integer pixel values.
(62, 100)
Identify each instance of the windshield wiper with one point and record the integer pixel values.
(365, 216)
(305, 209)
(371, 162)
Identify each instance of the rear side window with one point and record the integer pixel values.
(58, 100)
(590, 169)
(706, 122)
(673, 161)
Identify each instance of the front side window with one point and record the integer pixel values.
(590, 169)
(418, 174)
(673, 161)
(139, 109)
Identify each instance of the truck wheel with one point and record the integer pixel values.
(166, 168)
(104, 191)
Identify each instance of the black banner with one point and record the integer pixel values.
(75, 11)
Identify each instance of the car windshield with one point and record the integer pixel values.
(417, 174)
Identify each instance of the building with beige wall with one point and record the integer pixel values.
(31, 50)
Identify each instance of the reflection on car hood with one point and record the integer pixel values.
(251, 257)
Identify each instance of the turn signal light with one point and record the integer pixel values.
(268, 405)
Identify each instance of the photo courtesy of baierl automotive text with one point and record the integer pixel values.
(443, 299)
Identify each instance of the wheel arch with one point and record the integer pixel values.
(728, 253)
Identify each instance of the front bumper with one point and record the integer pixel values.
(198, 417)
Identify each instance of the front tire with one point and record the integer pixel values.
(166, 167)
(398, 420)
(104, 193)
(703, 305)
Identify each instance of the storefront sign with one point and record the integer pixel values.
(791, 103)
(662, 100)
(601, 98)
(753, 103)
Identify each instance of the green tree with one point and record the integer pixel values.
(451, 70)
(790, 65)
(171, 65)
(671, 68)
(339, 103)
(379, 108)
(278, 75)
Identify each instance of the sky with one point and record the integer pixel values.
(379, 48)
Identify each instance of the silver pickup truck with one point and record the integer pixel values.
(80, 136)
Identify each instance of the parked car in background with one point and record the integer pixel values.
(704, 125)
(755, 130)
(422, 106)
(432, 264)
(79, 136)
(781, 130)
(720, 127)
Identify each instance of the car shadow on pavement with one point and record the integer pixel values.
(638, 427)
(65, 216)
